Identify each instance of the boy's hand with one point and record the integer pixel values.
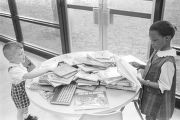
(53, 66)
(50, 67)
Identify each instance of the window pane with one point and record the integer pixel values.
(41, 36)
(6, 27)
(4, 6)
(178, 75)
(91, 3)
(172, 14)
(142, 6)
(39, 9)
(84, 33)
(129, 35)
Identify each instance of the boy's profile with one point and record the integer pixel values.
(14, 53)
(157, 97)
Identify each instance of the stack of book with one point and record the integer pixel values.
(109, 75)
(111, 78)
(89, 64)
(63, 74)
(106, 60)
(87, 78)
(83, 78)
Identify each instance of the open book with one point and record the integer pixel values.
(128, 71)
(109, 75)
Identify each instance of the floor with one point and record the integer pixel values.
(8, 110)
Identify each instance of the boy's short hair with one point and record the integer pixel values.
(164, 28)
(10, 48)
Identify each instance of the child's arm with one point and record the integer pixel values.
(165, 78)
(28, 64)
(137, 65)
(38, 72)
(149, 83)
(35, 73)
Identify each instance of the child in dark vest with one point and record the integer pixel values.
(157, 96)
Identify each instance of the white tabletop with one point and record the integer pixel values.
(117, 98)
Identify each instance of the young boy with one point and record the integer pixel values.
(157, 98)
(14, 53)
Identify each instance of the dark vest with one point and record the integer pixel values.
(151, 100)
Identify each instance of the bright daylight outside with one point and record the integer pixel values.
(119, 26)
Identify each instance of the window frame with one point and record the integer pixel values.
(157, 14)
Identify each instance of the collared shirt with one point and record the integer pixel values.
(16, 72)
(167, 70)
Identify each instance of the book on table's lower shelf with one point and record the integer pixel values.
(91, 100)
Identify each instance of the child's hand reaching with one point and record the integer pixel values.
(53, 66)
(135, 64)
(140, 79)
(50, 67)
(144, 82)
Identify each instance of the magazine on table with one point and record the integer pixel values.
(87, 87)
(90, 100)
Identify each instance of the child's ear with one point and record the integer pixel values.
(168, 38)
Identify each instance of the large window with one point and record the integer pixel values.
(88, 3)
(36, 23)
(6, 27)
(4, 6)
(38, 9)
(129, 35)
(42, 36)
(172, 14)
(38, 35)
(84, 33)
(120, 26)
(142, 6)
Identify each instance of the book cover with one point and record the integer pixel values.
(122, 87)
(86, 76)
(36, 86)
(80, 81)
(87, 68)
(87, 87)
(64, 69)
(91, 100)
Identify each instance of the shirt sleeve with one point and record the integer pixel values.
(16, 74)
(166, 76)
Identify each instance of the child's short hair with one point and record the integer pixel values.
(164, 28)
(10, 48)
